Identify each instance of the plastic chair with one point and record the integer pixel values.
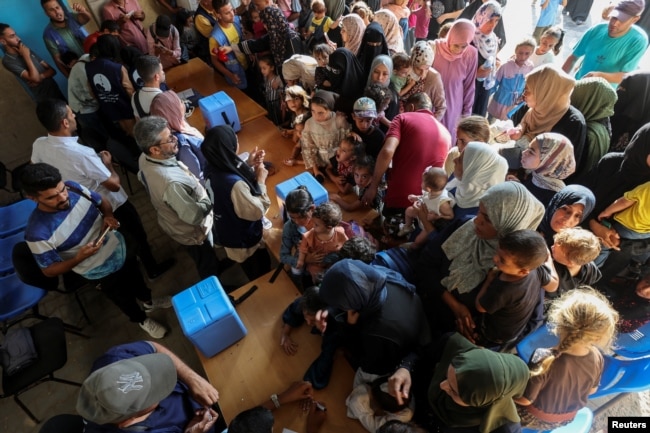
(635, 344)
(6, 247)
(29, 273)
(16, 298)
(623, 375)
(13, 218)
(541, 337)
(50, 344)
(580, 424)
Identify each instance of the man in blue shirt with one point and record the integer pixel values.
(69, 231)
(611, 49)
(143, 386)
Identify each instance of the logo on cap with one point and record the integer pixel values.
(130, 382)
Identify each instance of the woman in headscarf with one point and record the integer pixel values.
(240, 201)
(170, 107)
(382, 316)
(281, 40)
(352, 30)
(632, 110)
(550, 157)
(478, 167)
(456, 61)
(469, 12)
(568, 208)
(595, 98)
(392, 31)
(347, 79)
(372, 45)
(380, 72)
(548, 109)
(487, 43)
(615, 174)
(472, 389)
(456, 261)
(299, 70)
(429, 80)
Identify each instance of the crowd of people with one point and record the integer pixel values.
(505, 184)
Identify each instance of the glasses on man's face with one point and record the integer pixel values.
(172, 139)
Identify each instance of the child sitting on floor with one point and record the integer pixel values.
(585, 322)
(340, 169)
(363, 171)
(437, 200)
(325, 237)
(512, 291)
(299, 205)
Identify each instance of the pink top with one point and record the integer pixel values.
(131, 32)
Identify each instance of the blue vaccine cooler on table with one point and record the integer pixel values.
(317, 191)
(207, 317)
(219, 109)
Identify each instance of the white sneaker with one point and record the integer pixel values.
(153, 328)
(156, 303)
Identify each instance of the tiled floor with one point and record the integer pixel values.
(109, 326)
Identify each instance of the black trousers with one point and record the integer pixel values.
(131, 226)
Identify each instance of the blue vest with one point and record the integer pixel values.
(230, 230)
(77, 30)
(105, 79)
(232, 64)
(202, 47)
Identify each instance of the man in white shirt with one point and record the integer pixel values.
(151, 71)
(81, 164)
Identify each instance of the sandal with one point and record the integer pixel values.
(289, 162)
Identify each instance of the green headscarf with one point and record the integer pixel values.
(487, 381)
(595, 98)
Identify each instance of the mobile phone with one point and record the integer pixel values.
(101, 237)
(606, 223)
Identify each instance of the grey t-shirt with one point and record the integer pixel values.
(47, 88)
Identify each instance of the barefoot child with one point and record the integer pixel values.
(363, 171)
(299, 205)
(272, 88)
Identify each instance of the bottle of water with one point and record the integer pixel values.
(489, 63)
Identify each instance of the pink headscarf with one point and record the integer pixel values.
(461, 32)
(169, 106)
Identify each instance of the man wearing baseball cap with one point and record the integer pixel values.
(142, 386)
(611, 49)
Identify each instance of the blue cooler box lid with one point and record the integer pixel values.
(318, 191)
(202, 304)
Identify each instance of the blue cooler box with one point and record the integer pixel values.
(219, 109)
(207, 317)
(317, 191)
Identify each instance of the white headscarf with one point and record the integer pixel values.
(483, 168)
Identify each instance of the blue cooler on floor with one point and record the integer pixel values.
(317, 191)
(219, 109)
(207, 317)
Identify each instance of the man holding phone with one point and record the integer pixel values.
(64, 233)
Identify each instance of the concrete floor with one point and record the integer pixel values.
(110, 327)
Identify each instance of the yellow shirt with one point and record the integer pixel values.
(315, 23)
(637, 216)
(233, 38)
(203, 25)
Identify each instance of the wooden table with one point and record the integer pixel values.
(257, 131)
(195, 74)
(247, 373)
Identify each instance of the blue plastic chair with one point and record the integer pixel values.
(580, 424)
(635, 344)
(541, 337)
(624, 375)
(6, 247)
(16, 298)
(13, 218)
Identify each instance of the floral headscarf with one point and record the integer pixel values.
(422, 54)
(279, 33)
(354, 28)
(557, 161)
(392, 31)
(487, 45)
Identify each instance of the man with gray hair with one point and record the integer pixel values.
(182, 204)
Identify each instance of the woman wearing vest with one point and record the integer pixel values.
(240, 200)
